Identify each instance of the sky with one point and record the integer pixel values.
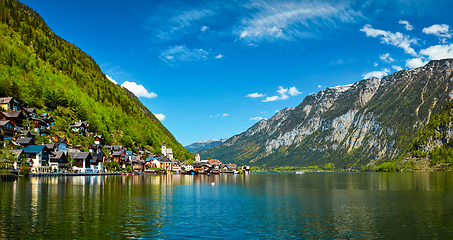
(211, 69)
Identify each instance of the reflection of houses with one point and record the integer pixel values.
(38, 157)
(82, 161)
(167, 152)
(6, 129)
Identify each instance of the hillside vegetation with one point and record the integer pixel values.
(47, 72)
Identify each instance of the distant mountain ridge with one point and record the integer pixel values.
(204, 145)
(354, 126)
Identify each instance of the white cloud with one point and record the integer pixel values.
(376, 74)
(386, 58)
(438, 52)
(263, 112)
(183, 54)
(255, 95)
(257, 118)
(271, 99)
(415, 62)
(204, 28)
(441, 31)
(225, 115)
(376, 64)
(272, 20)
(111, 79)
(219, 56)
(396, 39)
(283, 94)
(319, 86)
(160, 116)
(293, 91)
(138, 90)
(406, 24)
(397, 68)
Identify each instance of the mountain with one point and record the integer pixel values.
(355, 126)
(204, 145)
(45, 71)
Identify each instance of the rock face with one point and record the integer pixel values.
(365, 123)
(203, 145)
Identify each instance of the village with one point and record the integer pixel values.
(58, 156)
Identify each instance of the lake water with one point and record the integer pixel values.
(311, 205)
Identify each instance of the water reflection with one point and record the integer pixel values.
(318, 205)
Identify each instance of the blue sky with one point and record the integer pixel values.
(212, 69)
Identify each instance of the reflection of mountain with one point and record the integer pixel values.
(362, 124)
(204, 145)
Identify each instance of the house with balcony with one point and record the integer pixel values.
(38, 157)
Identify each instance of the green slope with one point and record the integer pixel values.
(45, 71)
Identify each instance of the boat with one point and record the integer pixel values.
(299, 172)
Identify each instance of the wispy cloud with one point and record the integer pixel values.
(386, 58)
(183, 54)
(225, 115)
(255, 95)
(219, 56)
(138, 89)
(283, 94)
(441, 31)
(396, 39)
(271, 20)
(376, 74)
(160, 116)
(204, 28)
(406, 24)
(257, 118)
(397, 68)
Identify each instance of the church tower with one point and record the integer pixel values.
(164, 149)
(197, 156)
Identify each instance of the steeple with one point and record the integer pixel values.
(197, 156)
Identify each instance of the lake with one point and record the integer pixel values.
(312, 205)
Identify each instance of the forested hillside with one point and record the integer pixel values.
(45, 71)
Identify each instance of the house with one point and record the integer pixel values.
(59, 161)
(29, 112)
(94, 148)
(98, 139)
(164, 164)
(26, 141)
(8, 104)
(26, 133)
(39, 125)
(18, 154)
(52, 147)
(79, 126)
(61, 143)
(82, 161)
(38, 157)
(97, 162)
(167, 152)
(48, 120)
(176, 167)
(16, 117)
(7, 129)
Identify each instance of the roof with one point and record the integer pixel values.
(3, 123)
(26, 140)
(97, 157)
(5, 100)
(34, 148)
(17, 152)
(13, 114)
(97, 136)
(30, 110)
(50, 145)
(80, 155)
(60, 154)
(78, 124)
(129, 153)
